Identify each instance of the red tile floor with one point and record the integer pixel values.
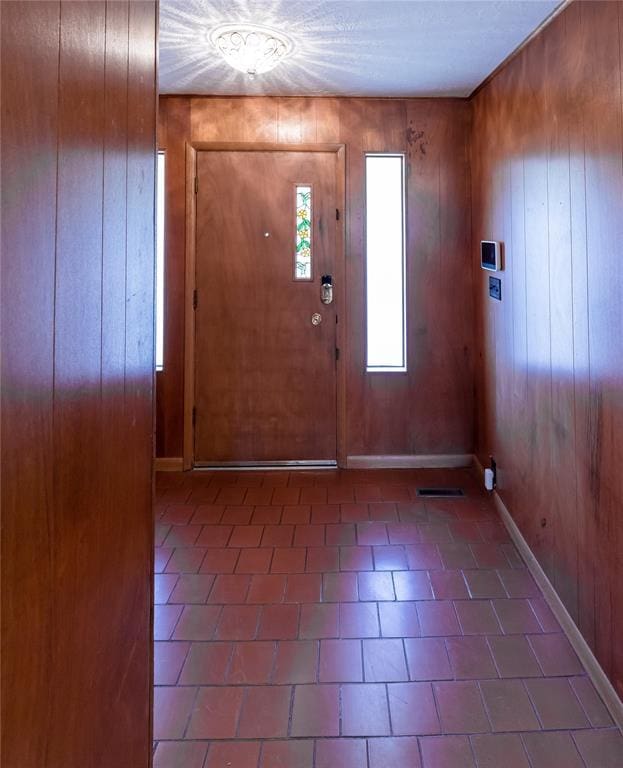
(333, 619)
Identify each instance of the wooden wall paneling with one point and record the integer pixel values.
(77, 377)
(78, 359)
(558, 108)
(375, 403)
(604, 203)
(580, 44)
(563, 493)
(29, 168)
(134, 665)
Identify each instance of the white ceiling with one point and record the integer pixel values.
(349, 47)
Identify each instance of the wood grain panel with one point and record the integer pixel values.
(549, 379)
(437, 391)
(78, 135)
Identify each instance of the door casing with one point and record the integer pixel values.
(192, 148)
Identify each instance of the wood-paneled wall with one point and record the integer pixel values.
(78, 140)
(547, 161)
(429, 410)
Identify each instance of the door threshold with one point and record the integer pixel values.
(238, 466)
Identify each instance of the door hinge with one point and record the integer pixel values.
(337, 353)
(196, 184)
(195, 299)
(337, 214)
(194, 415)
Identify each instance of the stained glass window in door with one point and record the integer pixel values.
(303, 239)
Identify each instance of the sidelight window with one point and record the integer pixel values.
(303, 233)
(160, 262)
(385, 263)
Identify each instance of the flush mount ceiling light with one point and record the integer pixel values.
(251, 48)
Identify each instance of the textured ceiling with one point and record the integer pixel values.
(349, 47)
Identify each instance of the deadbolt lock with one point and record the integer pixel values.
(326, 289)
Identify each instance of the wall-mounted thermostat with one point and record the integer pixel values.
(491, 255)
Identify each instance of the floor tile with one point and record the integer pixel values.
(180, 754)
(591, 702)
(364, 710)
(277, 535)
(477, 617)
(358, 620)
(165, 620)
(516, 616)
(192, 588)
(423, 557)
(197, 622)
(384, 661)
(229, 589)
(356, 559)
(322, 559)
(341, 753)
(376, 585)
(214, 536)
(427, 659)
(303, 588)
(296, 514)
(513, 657)
(251, 663)
(288, 754)
(483, 583)
(448, 585)
(316, 711)
(499, 749)
(168, 660)
(412, 585)
(340, 661)
(246, 536)
(508, 706)
(265, 712)
(186, 560)
(267, 589)
(164, 584)
(400, 751)
(470, 658)
(518, 582)
(279, 622)
(457, 555)
(215, 713)
(460, 707)
(437, 618)
(552, 750)
(339, 587)
(254, 560)
(162, 557)
(403, 533)
(556, 703)
(237, 515)
(219, 560)
(399, 619)
(390, 558)
(289, 560)
(340, 535)
(447, 752)
(412, 709)
(296, 661)
(319, 621)
(555, 655)
(227, 754)
(237, 622)
(206, 664)
(600, 749)
(172, 707)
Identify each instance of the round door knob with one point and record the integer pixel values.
(316, 318)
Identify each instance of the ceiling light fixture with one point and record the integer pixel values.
(251, 48)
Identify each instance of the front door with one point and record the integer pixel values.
(265, 343)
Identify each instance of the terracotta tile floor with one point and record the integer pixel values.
(335, 620)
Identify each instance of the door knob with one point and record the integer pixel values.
(316, 318)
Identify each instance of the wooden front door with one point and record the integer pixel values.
(265, 374)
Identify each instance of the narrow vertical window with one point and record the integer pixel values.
(303, 235)
(160, 263)
(385, 263)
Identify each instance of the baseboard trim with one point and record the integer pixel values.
(407, 461)
(169, 464)
(597, 675)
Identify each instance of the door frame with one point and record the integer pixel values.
(192, 148)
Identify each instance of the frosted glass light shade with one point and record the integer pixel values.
(251, 48)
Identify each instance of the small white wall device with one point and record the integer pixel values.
(491, 255)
